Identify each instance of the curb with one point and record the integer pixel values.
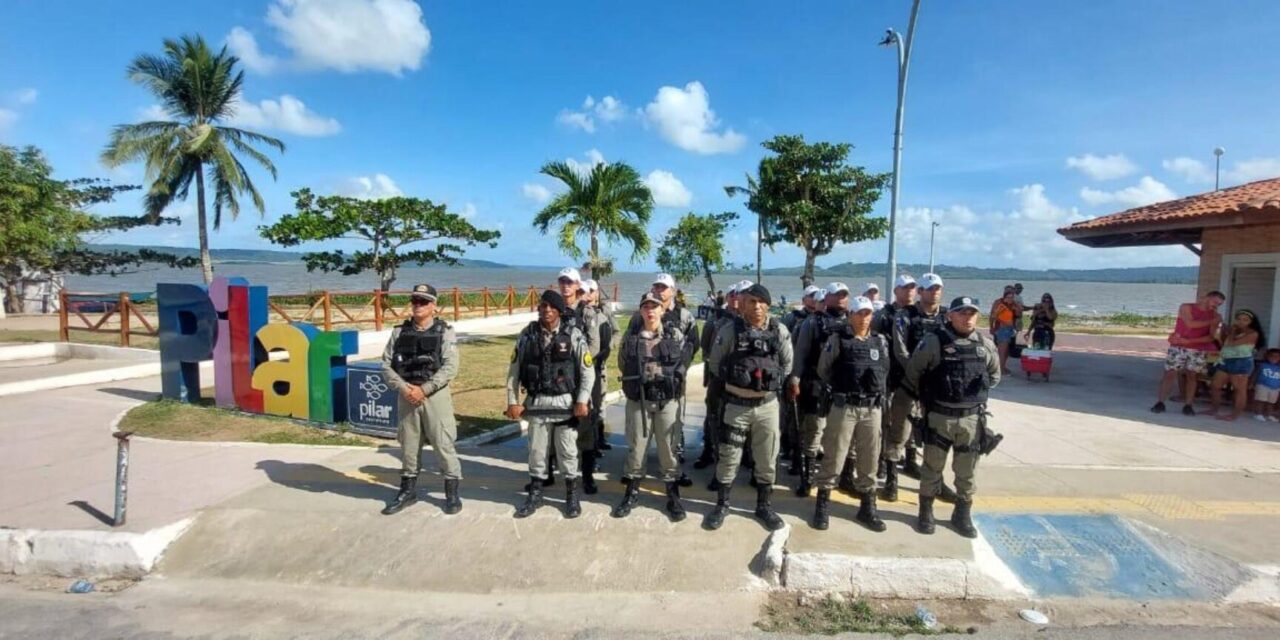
(98, 554)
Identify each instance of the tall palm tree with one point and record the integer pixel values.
(751, 191)
(611, 201)
(198, 89)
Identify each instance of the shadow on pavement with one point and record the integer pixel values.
(133, 394)
(93, 511)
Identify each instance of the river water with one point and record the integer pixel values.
(1072, 297)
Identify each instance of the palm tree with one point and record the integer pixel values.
(198, 89)
(751, 191)
(611, 201)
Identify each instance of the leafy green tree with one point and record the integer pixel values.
(389, 224)
(766, 230)
(695, 246)
(611, 201)
(199, 89)
(44, 226)
(814, 199)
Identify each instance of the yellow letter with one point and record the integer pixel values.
(283, 383)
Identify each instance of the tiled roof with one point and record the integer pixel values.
(1254, 196)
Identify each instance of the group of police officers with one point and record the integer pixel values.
(843, 391)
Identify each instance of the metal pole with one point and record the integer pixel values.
(933, 229)
(122, 476)
(1217, 165)
(759, 244)
(904, 59)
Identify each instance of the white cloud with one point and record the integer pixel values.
(684, 118)
(608, 109)
(1189, 169)
(1147, 191)
(1255, 169)
(536, 192)
(1102, 167)
(7, 118)
(375, 187)
(153, 113)
(468, 211)
(242, 43)
(667, 189)
(25, 95)
(594, 157)
(1196, 172)
(288, 114)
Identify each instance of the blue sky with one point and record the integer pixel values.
(1021, 116)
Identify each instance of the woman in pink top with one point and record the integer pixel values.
(1192, 339)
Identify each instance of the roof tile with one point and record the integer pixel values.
(1263, 194)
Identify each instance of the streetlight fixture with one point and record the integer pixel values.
(932, 230)
(1217, 165)
(904, 59)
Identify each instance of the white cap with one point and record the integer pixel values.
(570, 273)
(861, 303)
(871, 286)
(741, 286)
(589, 285)
(930, 280)
(665, 279)
(813, 290)
(837, 287)
(903, 280)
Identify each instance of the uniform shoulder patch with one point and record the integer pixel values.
(587, 359)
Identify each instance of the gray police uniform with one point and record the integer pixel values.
(653, 372)
(428, 359)
(910, 326)
(813, 334)
(711, 422)
(684, 322)
(556, 370)
(588, 319)
(753, 365)
(951, 375)
(856, 370)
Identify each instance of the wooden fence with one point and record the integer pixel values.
(120, 314)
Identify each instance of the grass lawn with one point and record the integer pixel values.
(83, 337)
(784, 613)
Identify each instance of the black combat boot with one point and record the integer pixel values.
(909, 466)
(889, 493)
(550, 480)
(821, 511)
(531, 501)
(755, 484)
(602, 440)
(806, 477)
(588, 468)
(685, 480)
(947, 495)
(764, 510)
(706, 459)
(716, 517)
(408, 495)
(881, 469)
(452, 503)
(845, 483)
(675, 510)
(867, 514)
(961, 519)
(924, 522)
(797, 462)
(572, 508)
(713, 484)
(629, 499)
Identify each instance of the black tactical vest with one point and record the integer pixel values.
(418, 355)
(667, 354)
(548, 370)
(753, 363)
(921, 325)
(961, 379)
(862, 367)
(824, 325)
(794, 321)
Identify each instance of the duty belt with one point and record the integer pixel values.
(956, 412)
(747, 402)
(850, 400)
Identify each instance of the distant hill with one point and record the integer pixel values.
(868, 270)
(262, 256)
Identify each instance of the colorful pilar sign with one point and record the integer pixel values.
(228, 323)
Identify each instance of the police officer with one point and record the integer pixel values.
(806, 386)
(553, 365)
(753, 356)
(653, 372)
(951, 372)
(910, 325)
(715, 388)
(420, 359)
(580, 313)
(608, 327)
(855, 363)
(792, 320)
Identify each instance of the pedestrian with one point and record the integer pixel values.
(582, 314)
(553, 364)
(753, 356)
(1266, 395)
(792, 447)
(855, 363)
(1022, 307)
(608, 328)
(952, 371)
(807, 386)
(1004, 313)
(871, 291)
(713, 384)
(653, 372)
(1192, 340)
(420, 360)
(1240, 340)
(1044, 316)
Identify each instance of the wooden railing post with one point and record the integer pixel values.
(64, 334)
(615, 292)
(486, 301)
(511, 300)
(377, 309)
(123, 309)
(457, 307)
(328, 314)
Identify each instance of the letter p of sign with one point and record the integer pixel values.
(188, 330)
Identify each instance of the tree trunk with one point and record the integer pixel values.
(759, 246)
(206, 262)
(706, 271)
(386, 278)
(806, 278)
(12, 297)
(595, 251)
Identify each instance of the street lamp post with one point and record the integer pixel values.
(933, 228)
(904, 59)
(1217, 165)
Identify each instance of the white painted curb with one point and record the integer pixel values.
(97, 554)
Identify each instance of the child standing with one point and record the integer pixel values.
(1267, 391)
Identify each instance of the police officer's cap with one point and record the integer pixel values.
(648, 297)
(423, 292)
(554, 300)
(758, 291)
(964, 302)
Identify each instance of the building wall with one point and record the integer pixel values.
(1216, 243)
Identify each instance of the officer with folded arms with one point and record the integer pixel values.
(753, 356)
(855, 364)
(951, 373)
(420, 359)
(553, 365)
(653, 372)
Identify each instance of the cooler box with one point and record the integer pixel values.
(1037, 361)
